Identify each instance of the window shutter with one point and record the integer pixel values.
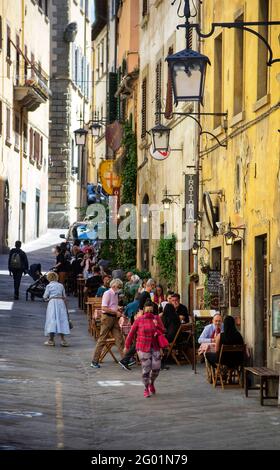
(87, 84)
(8, 42)
(144, 108)
(158, 92)
(41, 150)
(79, 68)
(145, 8)
(169, 94)
(8, 125)
(112, 101)
(31, 143)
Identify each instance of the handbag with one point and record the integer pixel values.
(162, 341)
(71, 326)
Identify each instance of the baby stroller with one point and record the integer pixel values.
(36, 289)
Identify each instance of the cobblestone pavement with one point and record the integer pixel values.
(52, 399)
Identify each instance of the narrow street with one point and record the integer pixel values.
(52, 399)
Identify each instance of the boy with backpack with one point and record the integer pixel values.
(17, 264)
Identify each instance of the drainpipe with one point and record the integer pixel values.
(21, 81)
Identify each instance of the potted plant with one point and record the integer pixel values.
(194, 277)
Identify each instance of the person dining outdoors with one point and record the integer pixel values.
(111, 312)
(207, 339)
(159, 295)
(145, 329)
(181, 309)
(105, 286)
(229, 336)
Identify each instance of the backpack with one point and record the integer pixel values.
(15, 262)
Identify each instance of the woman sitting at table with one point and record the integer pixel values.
(229, 336)
(170, 321)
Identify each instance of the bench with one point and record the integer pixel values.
(265, 375)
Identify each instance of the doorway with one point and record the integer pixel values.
(260, 343)
(37, 213)
(22, 222)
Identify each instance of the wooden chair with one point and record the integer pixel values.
(223, 372)
(92, 304)
(110, 342)
(178, 348)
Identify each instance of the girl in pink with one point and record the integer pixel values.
(145, 329)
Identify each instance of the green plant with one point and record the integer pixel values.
(166, 259)
(142, 274)
(129, 171)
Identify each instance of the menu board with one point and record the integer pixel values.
(235, 282)
(214, 278)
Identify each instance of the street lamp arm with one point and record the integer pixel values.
(240, 25)
(214, 137)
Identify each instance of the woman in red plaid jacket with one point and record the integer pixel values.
(147, 347)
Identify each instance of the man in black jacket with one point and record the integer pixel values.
(17, 265)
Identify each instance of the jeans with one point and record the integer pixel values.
(17, 275)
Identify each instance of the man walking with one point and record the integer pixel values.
(17, 264)
(109, 321)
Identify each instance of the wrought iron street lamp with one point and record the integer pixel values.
(160, 138)
(188, 70)
(168, 199)
(80, 136)
(232, 234)
(95, 128)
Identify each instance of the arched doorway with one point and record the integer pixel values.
(145, 241)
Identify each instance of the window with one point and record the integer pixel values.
(158, 92)
(17, 131)
(41, 152)
(144, 8)
(8, 125)
(262, 50)
(37, 147)
(238, 68)
(144, 108)
(25, 63)
(8, 43)
(218, 75)
(31, 146)
(17, 59)
(46, 10)
(25, 138)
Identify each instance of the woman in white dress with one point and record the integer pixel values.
(57, 316)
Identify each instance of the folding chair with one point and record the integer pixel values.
(177, 349)
(227, 370)
(92, 304)
(110, 342)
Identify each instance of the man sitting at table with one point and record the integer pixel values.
(181, 309)
(210, 332)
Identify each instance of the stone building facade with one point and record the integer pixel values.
(24, 120)
(69, 108)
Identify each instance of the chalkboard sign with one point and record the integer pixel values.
(214, 278)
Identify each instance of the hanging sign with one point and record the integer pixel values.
(114, 135)
(159, 155)
(235, 282)
(191, 197)
(109, 179)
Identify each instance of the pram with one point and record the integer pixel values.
(36, 289)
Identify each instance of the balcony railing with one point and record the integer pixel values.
(33, 90)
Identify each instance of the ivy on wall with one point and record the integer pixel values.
(123, 252)
(166, 259)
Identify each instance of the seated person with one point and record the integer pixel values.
(132, 308)
(171, 322)
(93, 283)
(229, 336)
(181, 309)
(159, 295)
(168, 300)
(105, 286)
(210, 332)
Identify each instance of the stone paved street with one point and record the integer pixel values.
(52, 399)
